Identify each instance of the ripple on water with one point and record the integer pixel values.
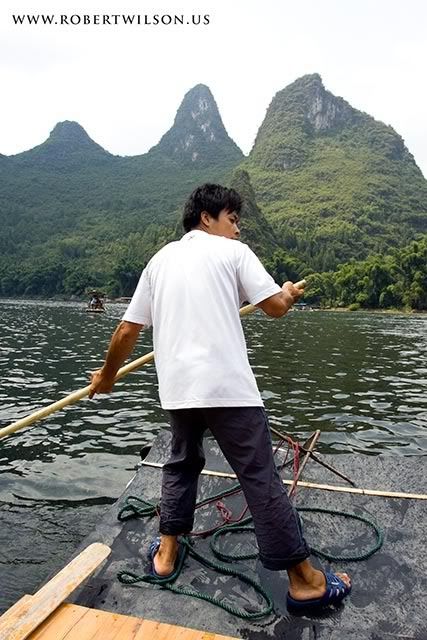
(360, 378)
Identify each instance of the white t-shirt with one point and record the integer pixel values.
(190, 292)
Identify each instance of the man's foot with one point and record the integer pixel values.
(334, 592)
(163, 555)
(308, 585)
(319, 589)
(316, 588)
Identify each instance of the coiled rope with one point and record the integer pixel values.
(138, 507)
(320, 553)
(128, 577)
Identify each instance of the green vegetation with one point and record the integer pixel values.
(328, 191)
(254, 228)
(392, 281)
(334, 183)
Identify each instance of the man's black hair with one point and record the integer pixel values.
(212, 198)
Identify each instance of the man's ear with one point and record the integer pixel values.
(205, 218)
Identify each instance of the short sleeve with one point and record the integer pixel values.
(255, 283)
(139, 309)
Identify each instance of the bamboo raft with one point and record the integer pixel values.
(389, 593)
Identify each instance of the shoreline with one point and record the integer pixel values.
(405, 312)
(122, 300)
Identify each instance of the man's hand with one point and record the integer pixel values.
(293, 292)
(276, 306)
(121, 345)
(100, 383)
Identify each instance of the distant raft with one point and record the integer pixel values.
(96, 302)
(89, 310)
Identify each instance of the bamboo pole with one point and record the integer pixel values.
(310, 485)
(74, 397)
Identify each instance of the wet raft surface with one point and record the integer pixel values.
(389, 589)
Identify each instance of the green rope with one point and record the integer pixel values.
(226, 557)
(351, 558)
(135, 507)
(220, 494)
(127, 577)
(241, 528)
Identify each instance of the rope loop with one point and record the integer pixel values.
(130, 578)
(379, 536)
(135, 507)
(228, 557)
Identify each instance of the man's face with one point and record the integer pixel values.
(225, 225)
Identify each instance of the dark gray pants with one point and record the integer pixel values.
(244, 438)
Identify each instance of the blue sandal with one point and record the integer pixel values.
(153, 549)
(336, 591)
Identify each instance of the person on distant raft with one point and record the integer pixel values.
(190, 292)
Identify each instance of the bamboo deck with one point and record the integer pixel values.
(73, 622)
(118, 613)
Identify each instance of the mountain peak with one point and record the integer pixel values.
(69, 131)
(68, 146)
(198, 136)
(297, 115)
(309, 79)
(323, 110)
(199, 91)
(71, 136)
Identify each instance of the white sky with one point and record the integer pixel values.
(123, 84)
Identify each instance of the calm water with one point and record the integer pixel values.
(359, 378)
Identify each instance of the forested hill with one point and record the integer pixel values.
(74, 216)
(335, 183)
(68, 148)
(323, 184)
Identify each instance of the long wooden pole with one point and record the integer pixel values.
(74, 397)
(310, 485)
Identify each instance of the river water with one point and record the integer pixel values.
(359, 378)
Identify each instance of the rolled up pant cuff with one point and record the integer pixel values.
(176, 527)
(282, 564)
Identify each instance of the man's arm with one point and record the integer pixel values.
(121, 346)
(276, 306)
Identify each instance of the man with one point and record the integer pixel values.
(190, 292)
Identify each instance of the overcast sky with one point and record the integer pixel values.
(124, 83)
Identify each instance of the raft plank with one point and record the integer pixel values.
(29, 613)
(17, 608)
(101, 625)
(59, 623)
(74, 622)
(148, 629)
